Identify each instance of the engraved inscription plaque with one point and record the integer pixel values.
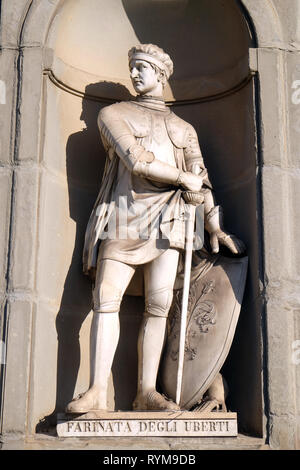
(148, 424)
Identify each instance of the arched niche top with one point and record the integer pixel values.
(265, 21)
(50, 24)
(27, 22)
(39, 18)
(35, 20)
(87, 49)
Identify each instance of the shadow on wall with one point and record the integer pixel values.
(213, 57)
(207, 39)
(85, 158)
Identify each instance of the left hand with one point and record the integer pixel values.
(235, 245)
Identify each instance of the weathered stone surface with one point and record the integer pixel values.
(266, 23)
(272, 113)
(22, 269)
(240, 442)
(293, 100)
(277, 224)
(7, 100)
(40, 15)
(28, 130)
(284, 432)
(12, 13)
(5, 199)
(17, 365)
(289, 22)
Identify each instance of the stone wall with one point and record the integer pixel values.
(48, 187)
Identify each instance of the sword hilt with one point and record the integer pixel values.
(193, 198)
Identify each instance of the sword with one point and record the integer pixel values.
(192, 199)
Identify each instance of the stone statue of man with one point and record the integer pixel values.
(152, 156)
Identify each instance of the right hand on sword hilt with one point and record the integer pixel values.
(190, 181)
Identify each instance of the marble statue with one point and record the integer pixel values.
(152, 157)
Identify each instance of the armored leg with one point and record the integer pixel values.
(112, 280)
(159, 281)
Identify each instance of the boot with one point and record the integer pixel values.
(150, 345)
(154, 401)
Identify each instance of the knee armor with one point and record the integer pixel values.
(107, 299)
(158, 302)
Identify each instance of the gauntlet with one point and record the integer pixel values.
(214, 220)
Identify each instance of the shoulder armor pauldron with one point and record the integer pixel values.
(178, 130)
(138, 119)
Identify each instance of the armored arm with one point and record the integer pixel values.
(194, 163)
(116, 133)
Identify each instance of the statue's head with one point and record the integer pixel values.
(150, 68)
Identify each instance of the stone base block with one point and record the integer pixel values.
(148, 424)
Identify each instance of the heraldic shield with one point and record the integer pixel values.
(213, 311)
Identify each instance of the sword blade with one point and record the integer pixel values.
(185, 296)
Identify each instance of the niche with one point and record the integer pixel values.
(87, 53)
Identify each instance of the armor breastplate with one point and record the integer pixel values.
(139, 119)
(159, 141)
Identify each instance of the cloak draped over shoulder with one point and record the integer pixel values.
(148, 204)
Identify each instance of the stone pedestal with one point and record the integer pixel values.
(148, 424)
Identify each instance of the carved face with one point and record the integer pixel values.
(145, 79)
